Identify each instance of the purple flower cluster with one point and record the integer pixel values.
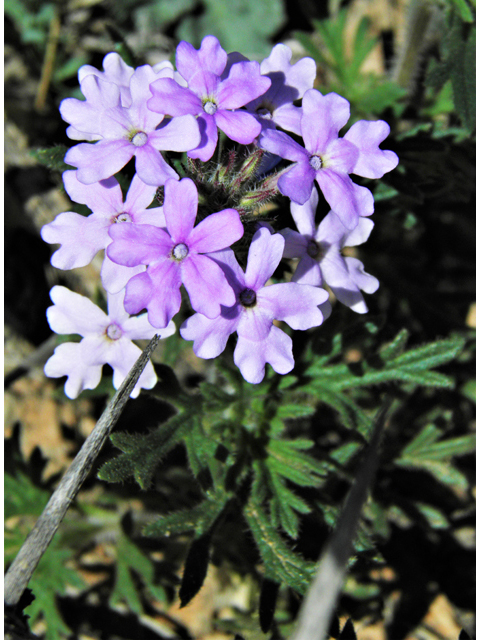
(151, 251)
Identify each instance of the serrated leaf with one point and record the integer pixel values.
(199, 518)
(52, 157)
(129, 557)
(297, 410)
(281, 563)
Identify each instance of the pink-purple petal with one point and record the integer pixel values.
(243, 84)
(297, 182)
(209, 336)
(264, 255)
(180, 134)
(238, 125)
(135, 244)
(172, 99)
(103, 197)
(283, 145)
(180, 208)
(100, 160)
(151, 167)
(216, 232)
(295, 304)
(206, 285)
(372, 162)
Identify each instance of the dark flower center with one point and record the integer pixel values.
(313, 250)
(315, 162)
(210, 107)
(248, 298)
(114, 332)
(139, 139)
(180, 251)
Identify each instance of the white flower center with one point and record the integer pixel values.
(264, 112)
(180, 251)
(123, 217)
(114, 332)
(139, 139)
(315, 162)
(210, 107)
(248, 298)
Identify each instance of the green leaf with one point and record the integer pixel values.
(281, 563)
(199, 518)
(52, 157)
(433, 516)
(240, 25)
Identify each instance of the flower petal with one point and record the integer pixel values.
(295, 304)
(207, 285)
(209, 336)
(135, 244)
(217, 231)
(251, 357)
(74, 313)
(100, 160)
(304, 215)
(151, 167)
(297, 182)
(180, 208)
(283, 145)
(180, 134)
(238, 125)
(323, 117)
(172, 99)
(67, 361)
(243, 84)
(115, 276)
(264, 256)
(372, 162)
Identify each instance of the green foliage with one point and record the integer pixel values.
(429, 452)
(240, 25)
(23, 504)
(52, 157)
(457, 61)
(369, 94)
(31, 19)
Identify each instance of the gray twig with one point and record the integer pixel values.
(27, 559)
(320, 602)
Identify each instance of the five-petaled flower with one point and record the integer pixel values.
(181, 253)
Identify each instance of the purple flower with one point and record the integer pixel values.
(326, 158)
(255, 309)
(115, 70)
(179, 254)
(366, 136)
(289, 83)
(107, 339)
(321, 261)
(211, 95)
(124, 131)
(82, 237)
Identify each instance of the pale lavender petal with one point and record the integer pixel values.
(135, 244)
(104, 197)
(298, 182)
(211, 56)
(373, 162)
(115, 71)
(238, 125)
(204, 84)
(360, 234)
(115, 123)
(187, 60)
(139, 196)
(332, 232)
(209, 137)
(75, 134)
(295, 244)
(323, 117)
(122, 358)
(115, 276)
(308, 271)
(207, 285)
(255, 322)
(244, 83)
(139, 112)
(172, 99)
(139, 292)
(295, 304)
(180, 208)
(299, 76)
(180, 134)
(85, 119)
(304, 215)
(340, 193)
(209, 336)
(154, 216)
(251, 357)
(73, 313)
(100, 160)
(80, 238)
(166, 299)
(364, 281)
(264, 256)
(232, 270)
(340, 155)
(283, 145)
(151, 166)
(217, 231)
(139, 328)
(66, 361)
(289, 117)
